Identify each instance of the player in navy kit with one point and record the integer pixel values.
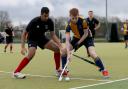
(35, 33)
(93, 23)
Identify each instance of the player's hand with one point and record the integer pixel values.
(23, 51)
(76, 47)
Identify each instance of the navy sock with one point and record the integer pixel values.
(64, 61)
(126, 45)
(99, 63)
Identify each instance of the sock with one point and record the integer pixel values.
(125, 45)
(64, 61)
(57, 60)
(99, 63)
(22, 64)
(5, 47)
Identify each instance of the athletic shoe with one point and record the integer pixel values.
(58, 72)
(66, 75)
(67, 78)
(105, 73)
(19, 75)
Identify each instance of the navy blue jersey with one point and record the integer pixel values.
(36, 28)
(9, 31)
(92, 23)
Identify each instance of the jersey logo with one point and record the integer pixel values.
(37, 26)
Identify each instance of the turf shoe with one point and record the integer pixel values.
(66, 75)
(58, 72)
(105, 73)
(19, 75)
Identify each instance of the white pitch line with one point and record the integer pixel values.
(109, 82)
(56, 77)
(105, 80)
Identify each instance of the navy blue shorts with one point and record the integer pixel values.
(41, 43)
(125, 37)
(87, 42)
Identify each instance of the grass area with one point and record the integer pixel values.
(114, 56)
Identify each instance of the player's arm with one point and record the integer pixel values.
(23, 40)
(53, 35)
(85, 29)
(6, 32)
(68, 46)
(97, 25)
(24, 37)
(84, 36)
(13, 34)
(68, 42)
(55, 38)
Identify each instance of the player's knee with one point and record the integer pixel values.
(64, 52)
(93, 54)
(30, 56)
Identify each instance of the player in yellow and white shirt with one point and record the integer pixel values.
(125, 32)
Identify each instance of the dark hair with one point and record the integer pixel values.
(44, 10)
(74, 11)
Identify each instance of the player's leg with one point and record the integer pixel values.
(90, 46)
(6, 45)
(98, 61)
(11, 48)
(126, 41)
(88, 53)
(51, 45)
(11, 44)
(31, 52)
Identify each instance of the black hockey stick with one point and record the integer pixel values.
(90, 62)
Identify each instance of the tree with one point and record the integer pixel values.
(4, 18)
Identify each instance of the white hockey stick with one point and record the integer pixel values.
(61, 75)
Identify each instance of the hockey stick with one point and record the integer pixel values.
(90, 62)
(61, 75)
